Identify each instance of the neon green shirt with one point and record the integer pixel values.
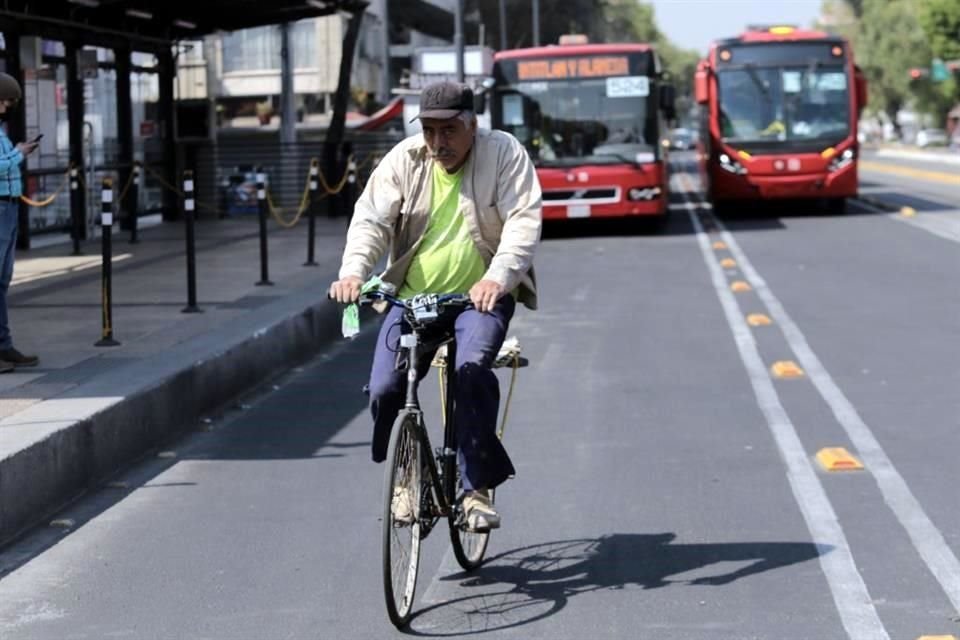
(447, 260)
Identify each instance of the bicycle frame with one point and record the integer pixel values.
(440, 479)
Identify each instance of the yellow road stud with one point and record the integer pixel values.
(786, 369)
(838, 459)
(728, 263)
(739, 286)
(758, 320)
(909, 212)
(719, 245)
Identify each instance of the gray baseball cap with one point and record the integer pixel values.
(444, 100)
(9, 88)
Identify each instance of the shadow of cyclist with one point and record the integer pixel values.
(531, 583)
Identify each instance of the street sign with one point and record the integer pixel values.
(938, 71)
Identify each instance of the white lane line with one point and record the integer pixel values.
(850, 594)
(439, 592)
(926, 538)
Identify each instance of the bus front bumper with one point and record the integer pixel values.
(839, 184)
(656, 207)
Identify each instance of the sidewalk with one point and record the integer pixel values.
(86, 411)
(940, 156)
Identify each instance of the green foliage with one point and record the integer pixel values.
(890, 42)
(892, 36)
(940, 20)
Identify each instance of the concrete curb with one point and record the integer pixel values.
(55, 450)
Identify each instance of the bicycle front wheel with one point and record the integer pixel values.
(401, 518)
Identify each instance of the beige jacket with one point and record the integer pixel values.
(499, 200)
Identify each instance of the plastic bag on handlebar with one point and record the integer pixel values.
(350, 324)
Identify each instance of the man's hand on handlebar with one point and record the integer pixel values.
(346, 290)
(485, 294)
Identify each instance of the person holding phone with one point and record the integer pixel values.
(11, 188)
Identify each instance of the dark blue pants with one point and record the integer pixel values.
(9, 212)
(484, 462)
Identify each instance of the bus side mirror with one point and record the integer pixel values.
(700, 90)
(860, 87)
(480, 103)
(668, 99)
(480, 95)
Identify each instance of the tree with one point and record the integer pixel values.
(890, 42)
(940, 20)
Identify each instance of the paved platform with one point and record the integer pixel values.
(86, 411)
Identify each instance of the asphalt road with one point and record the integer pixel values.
(667, 481)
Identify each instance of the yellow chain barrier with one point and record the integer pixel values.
(340, 185)
(163, 182)
(275, 211)
(46, 202)
(126, 187)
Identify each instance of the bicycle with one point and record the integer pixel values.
(416, 477)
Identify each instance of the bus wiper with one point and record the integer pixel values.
(755, 78)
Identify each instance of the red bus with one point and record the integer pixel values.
(592, 117)
(779, 117)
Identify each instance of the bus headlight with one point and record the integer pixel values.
(729, 164)
(647, 193)
(842, 160)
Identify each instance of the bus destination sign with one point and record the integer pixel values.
(568, 68)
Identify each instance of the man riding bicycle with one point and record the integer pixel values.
(460, 211)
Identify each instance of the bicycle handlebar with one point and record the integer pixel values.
(445, 300)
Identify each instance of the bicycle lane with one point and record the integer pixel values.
(843, 278)
(649, 501)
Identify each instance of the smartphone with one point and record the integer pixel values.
(37, 139)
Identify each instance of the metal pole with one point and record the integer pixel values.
(106, 281)
(262, 202)
(503, 25)
(312, 212)
(288, 117)
(384, 96)
(76, 203)
(189, 205)
(536, 23)
(458, 39)
(133, 198)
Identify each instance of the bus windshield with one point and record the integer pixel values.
(795, 106)
(582, 121)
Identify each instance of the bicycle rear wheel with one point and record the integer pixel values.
(401, 518)
(469, 547)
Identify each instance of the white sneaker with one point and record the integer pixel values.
(401, 505)
(479, 512)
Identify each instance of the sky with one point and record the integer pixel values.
(693, 24)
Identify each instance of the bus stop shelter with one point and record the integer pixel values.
(98, 79)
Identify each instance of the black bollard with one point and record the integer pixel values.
(76, 199)
(189, 205)
(262, 202)
(106, 280)
(312, 214)
(134, 198)
(351, 188)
